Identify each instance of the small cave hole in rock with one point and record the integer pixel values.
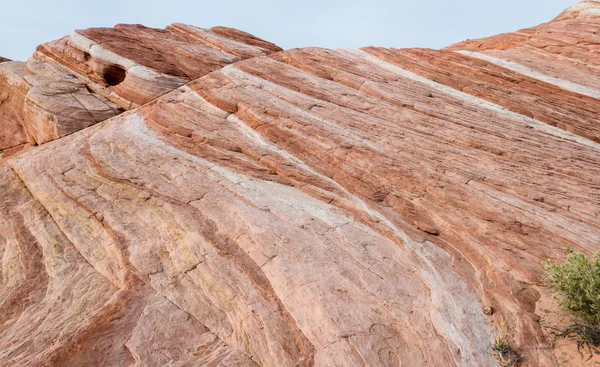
(87, 56)
(114, 75)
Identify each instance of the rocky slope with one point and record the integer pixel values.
(190, 197)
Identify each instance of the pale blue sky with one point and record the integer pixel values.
(401, 23)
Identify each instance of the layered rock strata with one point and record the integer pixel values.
(244, 206)
(94, 74)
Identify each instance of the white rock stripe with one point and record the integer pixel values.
(434, 264)
(110, 58)
(586, 7)
(561, 83)
(537, 125)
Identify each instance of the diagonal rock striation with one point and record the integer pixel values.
(95, 74)
(194, 196)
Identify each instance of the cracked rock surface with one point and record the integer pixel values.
(199, 197)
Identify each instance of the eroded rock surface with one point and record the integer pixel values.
(57, 309)
(564, 51)
(290, 208)
(95, 74)
(133, 64)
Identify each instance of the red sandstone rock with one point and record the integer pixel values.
(518, 93)
(295, 208)
(42, 102)
(565, 48)
(133, 64)
(95, 74)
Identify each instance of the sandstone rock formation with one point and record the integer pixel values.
(191, 197)
(95, 74)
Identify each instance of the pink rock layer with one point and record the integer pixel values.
(292, 208)
(95, 74)
(567, 47)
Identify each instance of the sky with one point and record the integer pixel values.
(327, 23)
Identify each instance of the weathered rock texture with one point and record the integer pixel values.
(295, 208)
(95, 74)
(564, 51)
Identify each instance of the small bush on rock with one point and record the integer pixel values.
(578, 281)
(503, 351)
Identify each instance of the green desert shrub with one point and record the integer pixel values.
(578, 281)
